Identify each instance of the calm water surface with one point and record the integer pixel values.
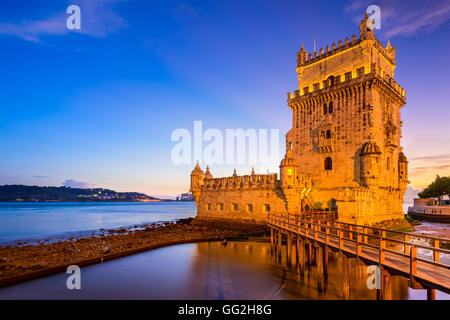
(34, 220)
(238, 270)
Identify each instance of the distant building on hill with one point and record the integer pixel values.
(185, 197)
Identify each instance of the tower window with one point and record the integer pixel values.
(208, 206)
(220, 207)
(328, 135)
(328, 164)
(330, 107)
(325, 109)
(234, 207)
(266, 208)
(330, 81)
(249, 207)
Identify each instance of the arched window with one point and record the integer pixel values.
(328, 163)
(330, 81)
(330, 107)
(328, 135)
(325, 108)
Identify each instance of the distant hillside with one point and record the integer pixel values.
(67, 194)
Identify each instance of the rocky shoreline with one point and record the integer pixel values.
(23, 262)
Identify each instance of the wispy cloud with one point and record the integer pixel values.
(77, 184)
(414, 171)
(404, 17)
(41, 177)
(98, 19)
(422, 170)
(32, 30)
(439, 157)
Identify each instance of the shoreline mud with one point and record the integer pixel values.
(26, 262)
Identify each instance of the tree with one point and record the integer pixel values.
(438, 188)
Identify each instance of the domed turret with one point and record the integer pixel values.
(370, 148)
(289, 181)
(288, 169)
(197, 178)
(301, 56)
(208, 174)
(370, 153)
(402, 168)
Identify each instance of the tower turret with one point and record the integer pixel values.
(390, 51)
(370, 158)
(301, 56)
(197, 178)
(289, 181)
(366, 29)
(208, 174)
(402, 171)
(288, 170)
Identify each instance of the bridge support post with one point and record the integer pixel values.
(301, 254)
(297, 249)
(274, 247)
(309, 258)
(271, 238)
(320, 268)
(431, 294)
(345, 278)
(288, 248)
(280, 239)
(386, 285)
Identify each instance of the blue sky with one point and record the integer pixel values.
(97, 107)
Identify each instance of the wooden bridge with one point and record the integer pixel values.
(394, 255)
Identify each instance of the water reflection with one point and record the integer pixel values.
(214, 270)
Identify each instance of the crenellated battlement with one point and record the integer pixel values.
(253, 181)
(366, 38)
(346, 79)
(311, 58)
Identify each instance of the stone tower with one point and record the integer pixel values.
(346, 128)
(343, 151)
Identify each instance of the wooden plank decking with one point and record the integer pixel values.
(430, 274)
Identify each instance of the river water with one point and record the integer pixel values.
(209, 270)
(40, 220)
(238, 270)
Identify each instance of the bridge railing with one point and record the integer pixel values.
(318, 215)
(365, 236)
